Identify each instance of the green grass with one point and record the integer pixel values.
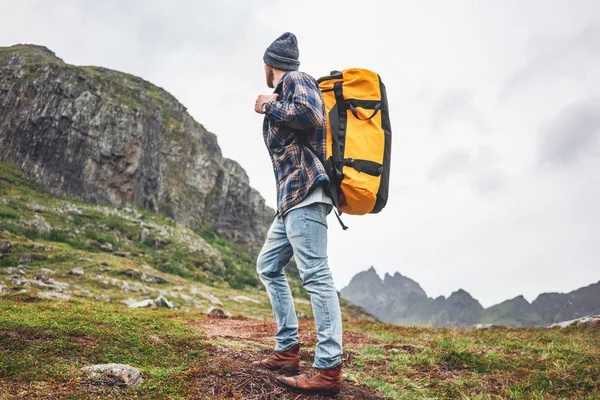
(496, 363)
(49, 342)
(92, 228)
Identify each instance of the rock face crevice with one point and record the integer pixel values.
(109, 137)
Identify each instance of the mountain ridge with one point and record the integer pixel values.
(396, 299)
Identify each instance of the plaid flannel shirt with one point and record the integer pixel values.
(298, 116)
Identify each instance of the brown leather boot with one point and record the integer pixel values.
(327, 382)
(282, 361)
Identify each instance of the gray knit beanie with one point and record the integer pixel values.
(283, 53)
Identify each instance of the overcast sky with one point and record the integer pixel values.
(495, 112)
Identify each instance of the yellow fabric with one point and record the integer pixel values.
(365, 140)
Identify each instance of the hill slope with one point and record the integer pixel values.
(110, 137)
(125, 254)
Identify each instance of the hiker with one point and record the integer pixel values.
(294, 133)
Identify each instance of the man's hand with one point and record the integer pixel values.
(263, 98)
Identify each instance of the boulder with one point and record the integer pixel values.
(214, 311)
(46, 271)
(589, 319)
(213, 299)
(241, 298)
(152, 279)
(54, 295)
(161, 301)
(144, 233)
(106, 247)
(115, 375)
(142, 304)
(77, 272)
(27, 258)
(5, 246)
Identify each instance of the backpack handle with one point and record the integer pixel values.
(353, 109)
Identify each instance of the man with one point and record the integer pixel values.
(294, 132)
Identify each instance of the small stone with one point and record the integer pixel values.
(104, 263)
(160, 243)
(239, 299)
(588, 319)
(302, 316)
(8, 270)
(215, 311)
(152, 279)
(85, 259)
(77, 272)
(143, 235)
(142, 304)
(161, 301)
(5, 246)
(115, 374)
(43, 247)
(213, 299)
(482, 326)
(27, 258)
(108, 247)
(46, 271)
(155, 339)
(54, 296)
(128, 272)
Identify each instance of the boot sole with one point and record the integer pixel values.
(330, 393)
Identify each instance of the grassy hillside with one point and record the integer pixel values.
(116, 246)
(44, 343)
(74, 267)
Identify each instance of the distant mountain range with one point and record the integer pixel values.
(400, 300)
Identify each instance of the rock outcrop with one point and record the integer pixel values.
(110, 137)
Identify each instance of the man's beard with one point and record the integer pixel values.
(270, 78)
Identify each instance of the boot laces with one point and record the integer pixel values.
(312, 373)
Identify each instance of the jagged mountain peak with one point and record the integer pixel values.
(519, 299)
(460, 293)
(366, 278)
(403, 285)
(400, 300)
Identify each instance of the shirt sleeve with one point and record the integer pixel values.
(304, 110)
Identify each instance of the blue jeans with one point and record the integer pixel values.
(303, 233)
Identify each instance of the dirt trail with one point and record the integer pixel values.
(235, 342)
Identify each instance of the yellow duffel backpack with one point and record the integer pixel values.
(359, 140)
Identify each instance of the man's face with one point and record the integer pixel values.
(270, 76)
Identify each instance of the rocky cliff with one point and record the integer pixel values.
(109, 137)
(400, 300)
